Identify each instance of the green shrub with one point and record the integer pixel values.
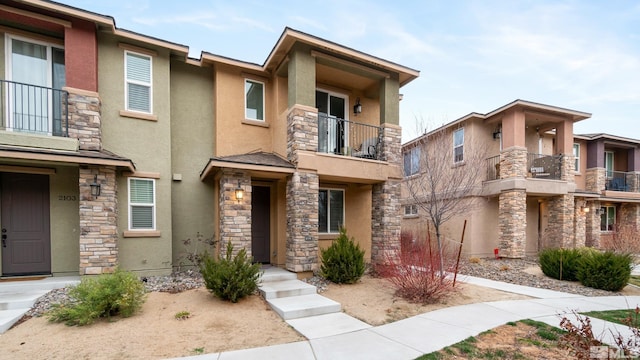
(120, 293)
(605, 270)
(343, 261)
(561, 264)
(230, 277)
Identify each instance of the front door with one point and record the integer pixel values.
(26, 244)
(260, 223)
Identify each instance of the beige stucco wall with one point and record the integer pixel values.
(2, 55)
(357, 217)
(148, 144)
(531, 246)
(192, 132)
(234, 134)
(580, 176)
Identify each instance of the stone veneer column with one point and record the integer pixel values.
(630, 217)
(98, 221)
(235, 216)
(559, 232)
(595, 180)
(567, 171)
(385, 198)
(512, 205)
(633, 181)
(84, 119)
(302, 131)
(302, 222)
(302, 192)
(592, 225)
(580, 220)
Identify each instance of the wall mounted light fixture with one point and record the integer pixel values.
(239, 192)
(357, 108)
(95, 187)
(585, 209)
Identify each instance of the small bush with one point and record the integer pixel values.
(343, 261)
(605, 270)
(230, 277)
(561, 264)
(120, 293)
(416, 274)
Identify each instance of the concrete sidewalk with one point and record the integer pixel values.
(429, 332)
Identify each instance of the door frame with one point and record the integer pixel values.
(270, 189)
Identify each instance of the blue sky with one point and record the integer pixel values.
(474, 56)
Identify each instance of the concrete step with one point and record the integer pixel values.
(315, 327)
(49, 283)
(10, 317)
(10, 301)
(284, 288)
(295, 307)
(277, 274)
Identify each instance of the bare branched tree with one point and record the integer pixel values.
(446, 170)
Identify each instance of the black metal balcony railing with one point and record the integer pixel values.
(348, 138)
(622, 181)
(538, 166)
(33, 109)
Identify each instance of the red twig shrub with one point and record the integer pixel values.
(625, 239)
(415, 272)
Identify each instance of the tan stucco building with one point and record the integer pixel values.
(115, 147)
(541, 186)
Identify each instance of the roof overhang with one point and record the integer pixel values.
(81, 157)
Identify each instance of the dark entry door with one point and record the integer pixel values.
(260, 223)
(26, 243)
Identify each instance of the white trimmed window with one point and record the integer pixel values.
(253, 100)
(607, 218)
(412, 161)
(411, 210)
(330, 210)
(576, 154)
(142, 204)
(138, 85)
(458, 146)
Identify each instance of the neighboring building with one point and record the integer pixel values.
(310, 139)
(528, 198)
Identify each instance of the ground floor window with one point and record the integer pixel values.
(607, 218)
(330, 210)
(411, 210)
(142, 204)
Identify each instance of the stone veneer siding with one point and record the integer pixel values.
(595, 180)
(592, 225)
(633, 181)
(302, 222)
(559, 232)
(580, 218)
(385, 197)
(512, 223)
(567, 171)
(235, 216)
(98, 221)
(629, 217)
(513, 163)
(302, 131)
(85, 120)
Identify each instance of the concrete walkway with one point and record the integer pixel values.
(334, 335)
(431, 331)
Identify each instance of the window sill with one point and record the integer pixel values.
(141, 233)
(328, 236)
(252, 122)
(459, 163)
(137, 115)
(412, 216)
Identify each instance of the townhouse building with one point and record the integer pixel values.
(116, 146)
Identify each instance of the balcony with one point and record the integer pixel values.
(32, 109)
(539, 166)
(622, 181)
(348, 138)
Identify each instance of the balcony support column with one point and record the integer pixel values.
(302, 131)
(235, 216)
(302, 222)
(559, 232)
(595, 180)
(84, 118)
(592, 225)
(629, 218)
(512, 223)
(580, 220)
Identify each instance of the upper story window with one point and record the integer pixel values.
(253, 100)
(142, 204)
(138, 84)
(576, 154)
(412, 161)
(330, 210)
(458, 146)
(608, 163)
(607, 218)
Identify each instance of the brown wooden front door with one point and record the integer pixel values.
(26, 242)
(260, 223)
